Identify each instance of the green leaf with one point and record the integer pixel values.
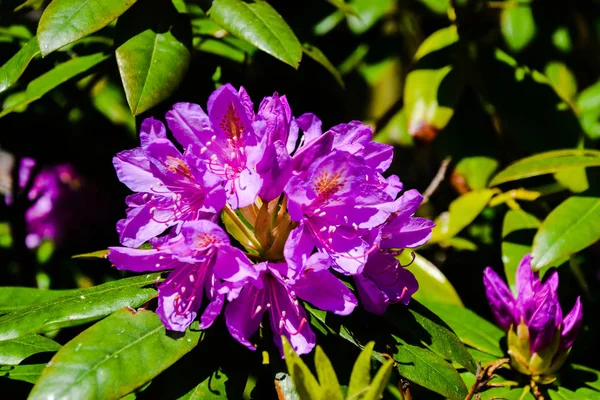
(328, 381)
(395, 131)
(547, 163)
(14, 68)
(113, 357)
(16, 350)
(589, 99)
(317, 55)
(517, 26)
(477, 170)
(361, 372)
(509, 393)
(367, 13)
(480, 356)
(342, 6)
(562, 80)
(259, 24)
(518, 230)
(53, 78)
(427, 328)
(78, 307)
(433, 284)
(437, 6)
(569, 228)
(470, 328)
(26, 373)
(93, 254)
(211, 388)
(305, 382)
(379, 382)
(461, 213)
(428, 370)
(65, 21)
(14, 298)
(562, 393)
(109, 99)
(590, 376)
(152, 59)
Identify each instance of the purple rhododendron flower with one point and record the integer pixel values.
(303, 208)
(536, 306)
(172, 188)
(203, 262)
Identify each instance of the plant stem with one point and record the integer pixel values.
(240, 224)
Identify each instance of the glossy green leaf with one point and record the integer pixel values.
(395, 131)
(590, 376)
(379, 382)
(259, 24)
(14, 298)
(361, 372)
(113, 357)
(152, 59)
(427, 369)
(65, 21)
(16, 350)
(437, 6)
(480, 356)
(14, 68)
(508, 393)
(78, 307)
(477, 170)
(305, 382)
(342, 6)
(53, 78)
(517, 26)
(518, 230)
(433, 284)
(109, 99)
(220, 48)
(569, 228)
(93, 254)
(461, 213)
(423, 326)
(328, 381)
(470, 328)
(211, 388)
(368, 12)
(562, 79)
(26, 373)
(562, 393)
(438, 40)
(589, 98)
(317, 55)
(547, 163)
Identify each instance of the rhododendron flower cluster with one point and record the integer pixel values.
(305, 208)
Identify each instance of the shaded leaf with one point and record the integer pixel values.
(470, 328)
(380, 380)
(569, 228)
(361, 372)
(518, 230)
(562, 393)
(428, 370)
(93, 254)
(65, 21)
(517, 26)
(16, 350)
(562, 79)
(13, 68)
(126, 349)
(342, 6)
(367, 12)
(590, 376)
(14, 298)
(53, 78)
(509, 393)
(547, 163)
(328, 381)
(78, 307)
(461, 213)
(259, 24)
(26, 373)
(437, 6)
(477, 170)
(317, 55)
(152, 58)
(305, 382)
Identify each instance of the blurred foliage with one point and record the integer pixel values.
(494, 109)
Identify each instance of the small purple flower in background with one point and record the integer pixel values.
(203, 262)
(302, 208)
(52, 189)
(539, 338)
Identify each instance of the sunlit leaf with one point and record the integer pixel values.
(127, 349)
(562, 79)
(518, 230)
(25, 373)
(16, 350)
(317, 55)
(328, 381)
(13, 297)
(65, 21)
(367, 12)
(518, 26)
(13, 68)
(361, 372)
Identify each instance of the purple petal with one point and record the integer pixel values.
(371, 297)
(500, 299)
(133, 169)
(311, 152)
(571, 325)
(244, 314)
(277, 120)
(414, 233)
(202, 235)
(298, 247)
(320, 287)
(216, 301)
(242, 191)
(124, 258)
(189, 123)
(167, 162)
(544, 322)
(145, 220)
(170, 309)
(275, 169)
(246, 102)
(398, 283)
(310, 125)
(151, 130)
(233, 265)
(228, 117)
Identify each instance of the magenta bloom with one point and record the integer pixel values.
(278, 290)
(203, 263)
(53, 195)
(172, 188)
(536, 306)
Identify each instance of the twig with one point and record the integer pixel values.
(483, 376)
(437, 179)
